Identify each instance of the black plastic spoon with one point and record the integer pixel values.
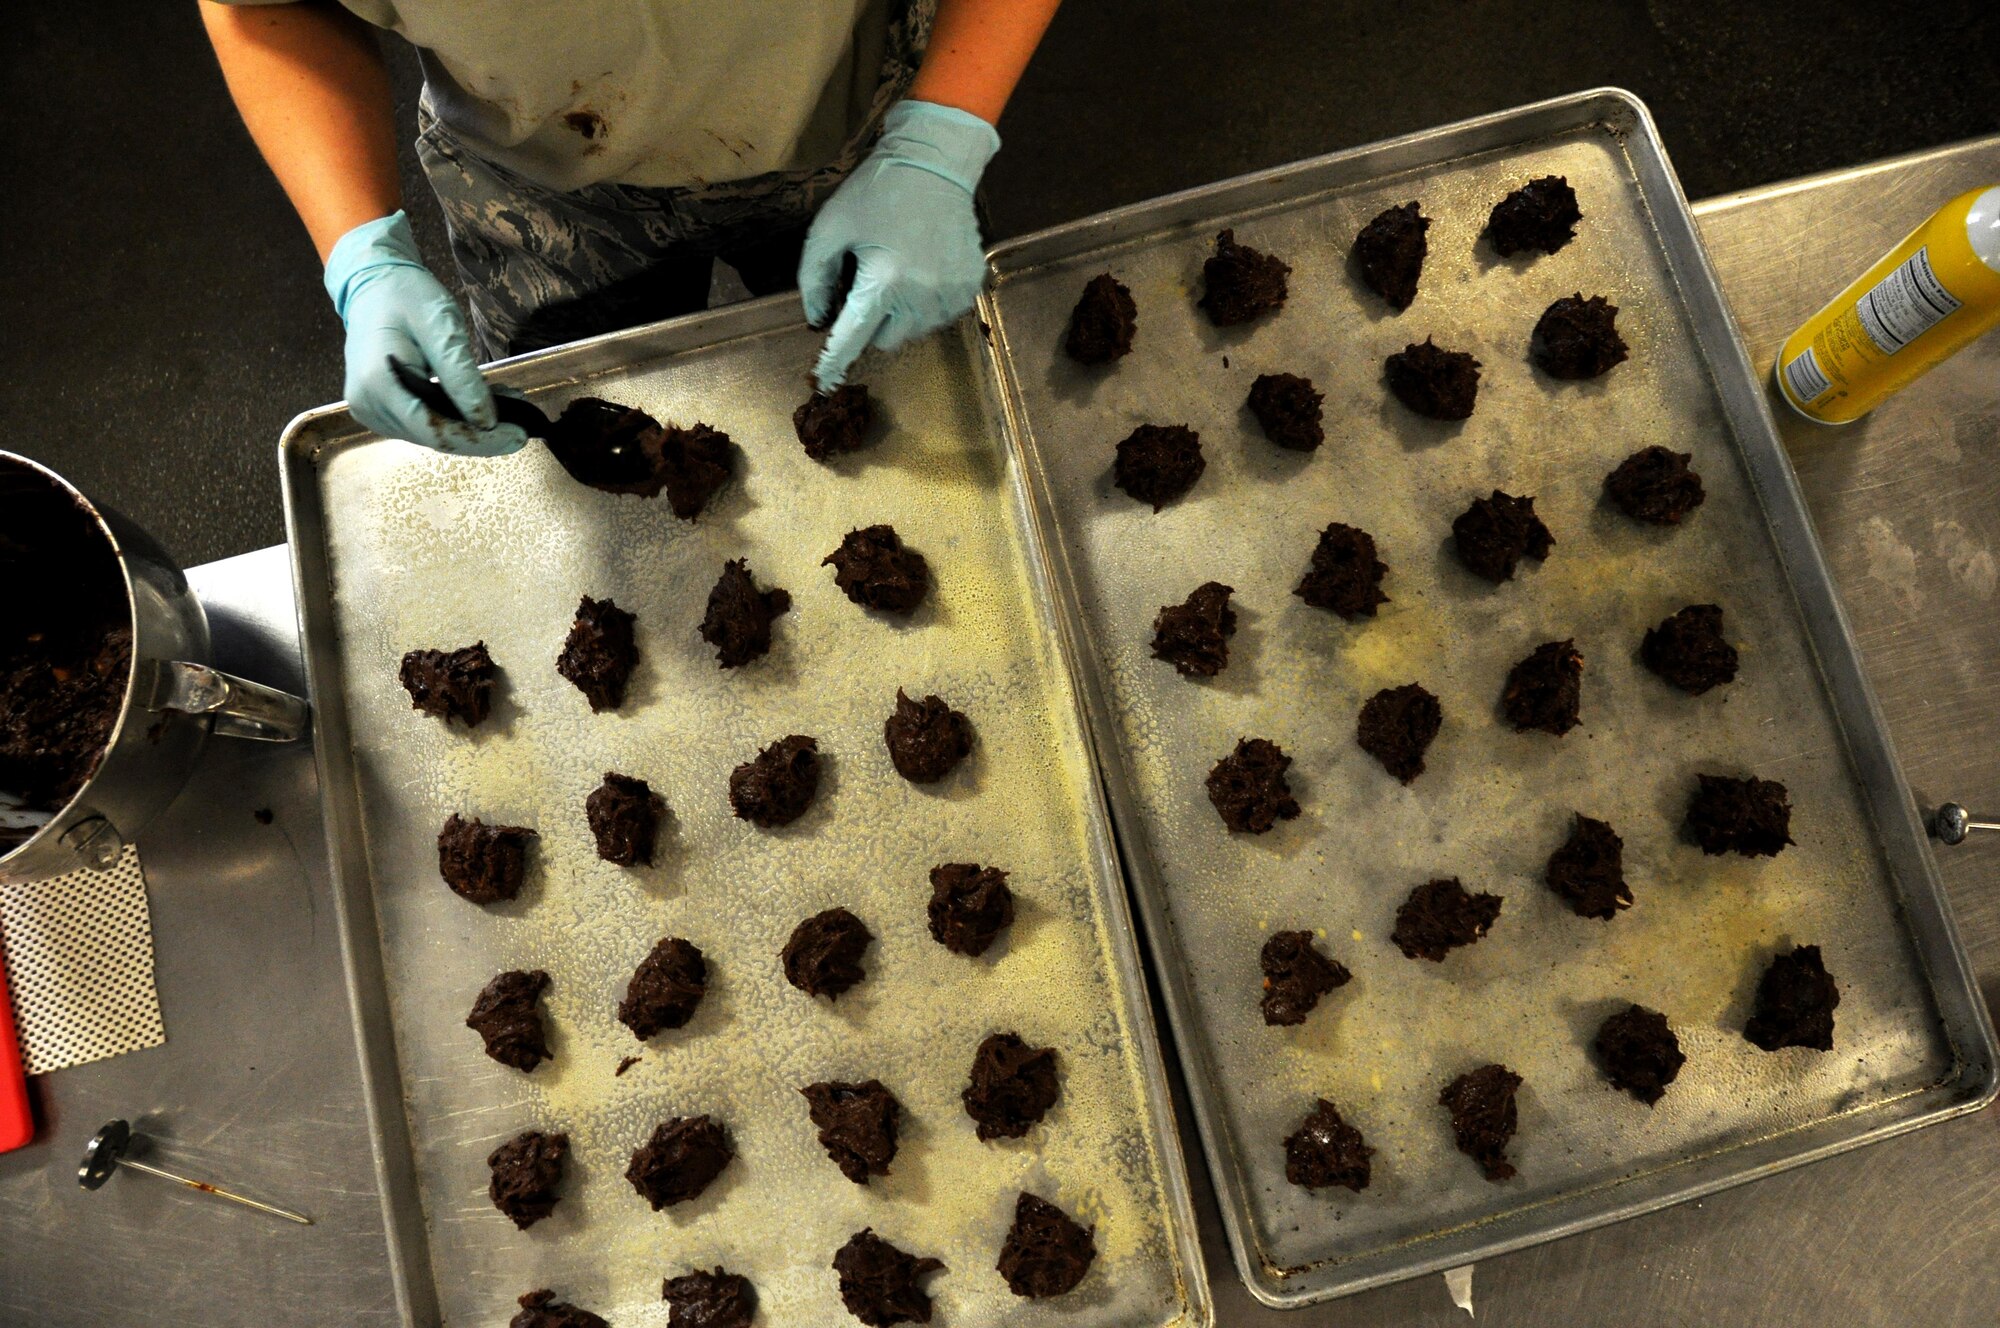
(511, 409)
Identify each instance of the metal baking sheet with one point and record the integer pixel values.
(396, 548)
(1912, 1044)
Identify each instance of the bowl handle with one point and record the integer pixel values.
(241, 709)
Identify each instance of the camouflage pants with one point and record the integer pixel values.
(542, 267)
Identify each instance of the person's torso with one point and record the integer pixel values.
(659, 93)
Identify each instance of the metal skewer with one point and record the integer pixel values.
(106, 1153)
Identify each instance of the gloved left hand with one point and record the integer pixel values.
(906, 216)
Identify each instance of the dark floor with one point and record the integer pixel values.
(160, 310)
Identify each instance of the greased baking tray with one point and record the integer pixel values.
(395, 548)
(1912, 1045)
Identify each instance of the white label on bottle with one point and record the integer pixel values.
(1804, 377)
(1905, 304)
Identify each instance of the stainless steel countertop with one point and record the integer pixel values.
(257, 1085)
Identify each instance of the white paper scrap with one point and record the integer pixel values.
(1458, 1281)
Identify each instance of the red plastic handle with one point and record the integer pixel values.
(17, 1124)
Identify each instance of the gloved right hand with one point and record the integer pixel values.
(392, 306)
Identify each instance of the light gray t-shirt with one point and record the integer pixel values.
(660, 93)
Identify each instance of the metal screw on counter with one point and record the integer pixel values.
(106, 1154)
(1952, 823)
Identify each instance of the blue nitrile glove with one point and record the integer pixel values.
(393, 306)
(906, 216)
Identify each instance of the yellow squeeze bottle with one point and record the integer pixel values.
(1924, 301)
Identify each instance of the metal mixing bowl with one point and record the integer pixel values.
(173, 700)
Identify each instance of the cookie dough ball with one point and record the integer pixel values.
(1655, 486)
(694, 463)
(1345, 576)
(1248, 787)
(1439, 916)
(1544, 690)
(1287, 408)
(683, 1156)
(879, 1283)
(718, 1299)
(875, 569)
(1752, 817)
(1296, 975)
(1158, 463)
(1241, 283)
(1540, 215)
(600, 653)
(451, 684)
(1046, 1252)
(1193, 636)
(1795, 1002)
(1389, 254)
(1639, 1053)
(625, 815)
(508, 1017)
(829, 424)
(970, 906)
(1012, 1086)
(926, 739)
(1689, 651)
(1397, 727)
(1436, 383)
(1578, 338)
(1494, 534)
(823, 955)
(527, 1170)
(541, 1309)
(1483, 1117)
(1588, 871)
(777, 785)
(481, 862)
(1102, 324)
(857, 1126)
(739, 616)
(665, 989)
(1325, 1150)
